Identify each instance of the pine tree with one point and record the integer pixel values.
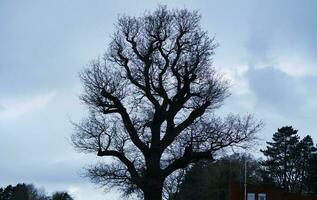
(280, 157)
(311, 180)
(290, 162)
(304, 152)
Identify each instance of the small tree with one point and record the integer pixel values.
(61, 196)
(36, 193)
(151, 102)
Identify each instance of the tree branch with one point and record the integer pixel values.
(188, 157)
(175, 131)
(127, 122)
(130, 166)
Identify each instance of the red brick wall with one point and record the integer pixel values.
(237, 193)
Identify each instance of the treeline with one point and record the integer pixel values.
(29, 192)
(289, 163)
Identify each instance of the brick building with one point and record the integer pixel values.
(258, 192)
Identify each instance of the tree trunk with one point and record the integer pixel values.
(153, 191)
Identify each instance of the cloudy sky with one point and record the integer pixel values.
(268, 50)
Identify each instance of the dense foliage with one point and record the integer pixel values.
(209, 180)
(290, 163)
(29, 192)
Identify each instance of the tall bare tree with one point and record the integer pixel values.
(152, 100)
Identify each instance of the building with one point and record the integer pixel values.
(259, 192)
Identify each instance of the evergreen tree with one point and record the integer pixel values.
(290, 162)
(280, 157)
(311, 180)
(304, 152)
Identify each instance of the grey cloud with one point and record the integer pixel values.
(275, 30)
(258, 45)
(276, 89)
(280, 27)
(45, 44)
(2, 108)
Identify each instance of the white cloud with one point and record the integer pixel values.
(84, 192)
(15, 108)
(235, 74)
(296, 66)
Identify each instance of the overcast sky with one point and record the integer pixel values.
(268, 50)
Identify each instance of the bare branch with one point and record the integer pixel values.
(151, 102)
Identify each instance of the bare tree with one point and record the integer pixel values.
(152, 100)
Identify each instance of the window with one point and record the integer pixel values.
(251, 196)
(262, 196)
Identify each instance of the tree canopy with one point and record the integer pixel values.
(151, 102)
(288, 160)
(290, 164)
(210, 180)
(61, 196)
(30, 192)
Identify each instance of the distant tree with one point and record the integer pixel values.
(1, 194)
(8, 193)
(281, 156)
(61, 196)
(152, 101)
(30, 192)
(20, 192)
(288, 160)
(305, 152)
(209, 180)
(311, 180)
(36, 194)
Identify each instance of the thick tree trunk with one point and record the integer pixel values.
(154, 194)
(153, 185)
(153, 191)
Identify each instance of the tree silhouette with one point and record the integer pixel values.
(281, 154)
(209, 180)
(61, 196)
(30, 192)
(7, 193)
(305, 152)
(151, 103)
(20, 192)
(288, 161)
(311, 180)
